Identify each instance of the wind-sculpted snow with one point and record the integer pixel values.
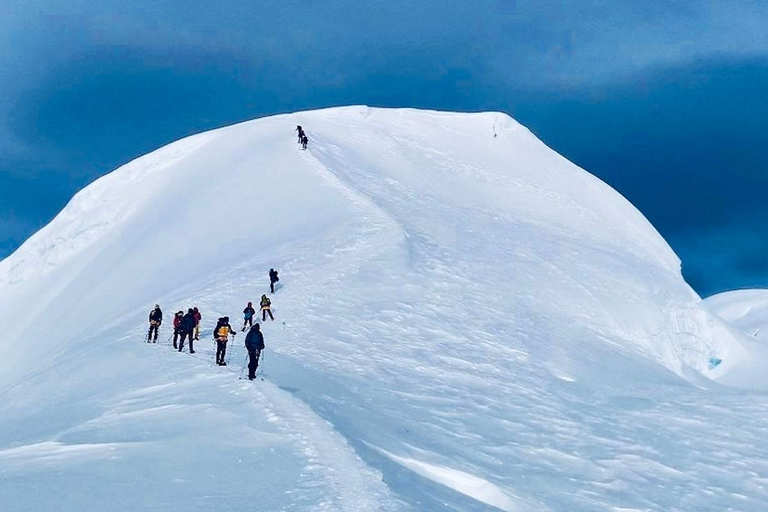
(466, 321)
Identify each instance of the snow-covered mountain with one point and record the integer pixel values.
(467, 321)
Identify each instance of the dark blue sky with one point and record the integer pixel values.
(664, 100)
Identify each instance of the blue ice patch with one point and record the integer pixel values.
(714, 362)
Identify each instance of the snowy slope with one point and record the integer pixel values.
(467, 322)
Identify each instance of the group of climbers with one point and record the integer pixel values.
(303, 139)
(187, 326)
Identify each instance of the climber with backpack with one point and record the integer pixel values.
(266, 307)
(198, 317)
(221, 335)
(155, 320)
(248, 313)
(273, 278)
(177, 327)
(187, 330)
(254, 344)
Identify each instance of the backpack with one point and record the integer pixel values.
(223, 331)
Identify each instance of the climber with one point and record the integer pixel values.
(221, 335)
(155, 320)
(177, 327)
(266, 307)
(198, 317)
(248, 313)
(254, 344)
(187, 330)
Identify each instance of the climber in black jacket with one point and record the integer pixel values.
(188, 330)
(254, 344)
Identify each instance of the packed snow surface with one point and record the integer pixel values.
(465, 321)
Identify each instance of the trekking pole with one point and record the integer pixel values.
(261, 363)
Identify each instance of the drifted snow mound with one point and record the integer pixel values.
(747, 312)
(467, 321)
